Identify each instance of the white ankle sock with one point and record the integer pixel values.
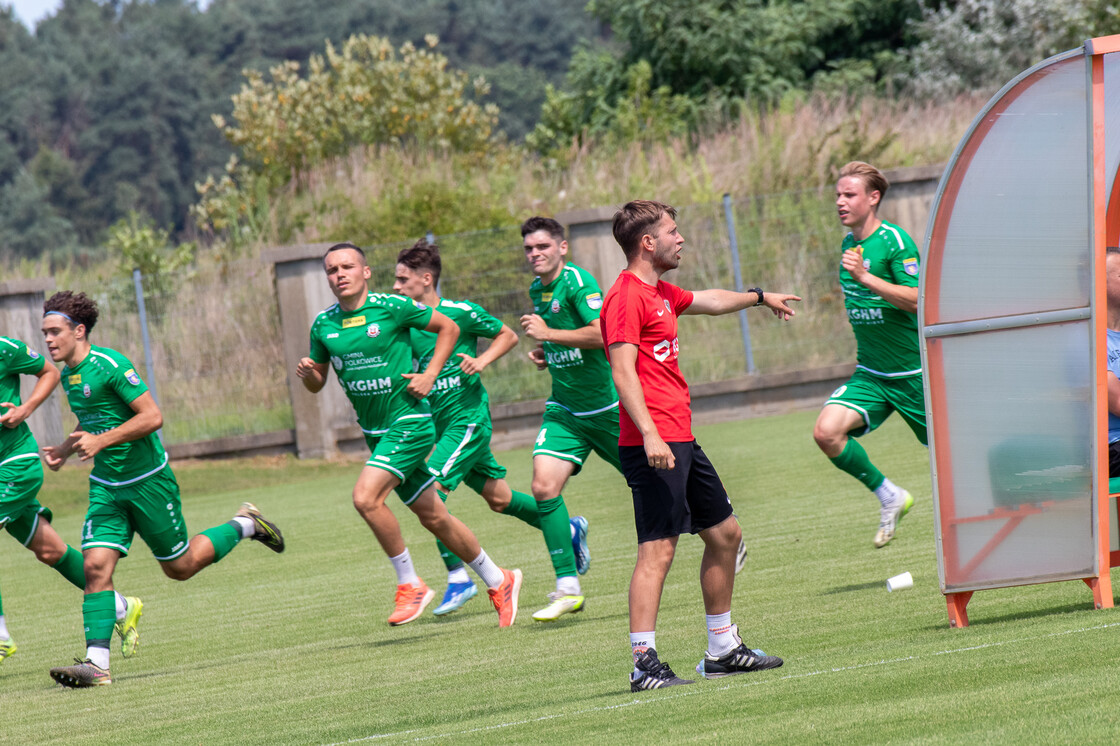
(98, 657)
(490, 573)
(721, 634)
(406, 573)
(888, 492)
(458, 575)
(248, 528)
(568, 585)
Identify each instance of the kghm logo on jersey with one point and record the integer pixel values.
(595, 301)
(373, 330)
(131, 377)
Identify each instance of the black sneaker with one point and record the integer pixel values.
(652, 673)
(267, 532)
(740, 660)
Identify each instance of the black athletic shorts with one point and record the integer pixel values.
(669, 502)
(1114, 459)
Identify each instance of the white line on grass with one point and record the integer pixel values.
(737, 683)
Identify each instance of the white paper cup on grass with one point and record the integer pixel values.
(900, 582)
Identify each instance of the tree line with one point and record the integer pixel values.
(108, 108)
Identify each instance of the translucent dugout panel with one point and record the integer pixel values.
(1020, 434)
(1017, 234)
(1112, 119)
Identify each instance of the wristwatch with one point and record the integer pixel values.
(761, 296)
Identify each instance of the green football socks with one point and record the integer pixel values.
(524, 508)
(99, 614)
(557, 529)
(224, 538)
(853, 460)
(71, 567)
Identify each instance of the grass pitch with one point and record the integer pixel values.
(294, 648)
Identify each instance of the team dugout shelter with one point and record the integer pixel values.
(1012, 314)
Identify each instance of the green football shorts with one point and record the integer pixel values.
(20, 480)
(462, 454)
(874, 398)
(570, 438)
(401, 451)
(150, 507)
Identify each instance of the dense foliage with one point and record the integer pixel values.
(106, 108)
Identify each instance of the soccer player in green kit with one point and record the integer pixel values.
(21, 476)
(879, 278)
(581, 415)
(365, 337)
(461, 407)
(131, 488)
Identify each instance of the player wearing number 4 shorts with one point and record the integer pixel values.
(879, 278)
(674, 486)
(581, 414)
(131, 488)
(366, 338)
(21, 476)
(461, 408)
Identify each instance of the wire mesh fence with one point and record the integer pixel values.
(215, 332)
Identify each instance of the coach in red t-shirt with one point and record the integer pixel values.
(676, 489)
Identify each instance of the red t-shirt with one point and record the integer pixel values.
(646, 315)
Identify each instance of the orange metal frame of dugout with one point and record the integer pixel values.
(1106, 221)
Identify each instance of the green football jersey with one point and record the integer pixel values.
(886, 337)
(100, 389)
(370, 351)
(457, 395)
(581, 379)
(16, 359)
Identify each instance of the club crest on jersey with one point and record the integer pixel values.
(86, 391)
(910, 266)
(595, 301)
(666, 302)
(373, 330)
(556, 306)
(131, 377)
(336, 361)
(352, 322)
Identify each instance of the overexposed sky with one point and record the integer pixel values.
(32, 11)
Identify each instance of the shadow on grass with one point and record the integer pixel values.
(978, 620)
(853, 587)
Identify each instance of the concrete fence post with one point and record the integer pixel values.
(21, 315)
(301, 293)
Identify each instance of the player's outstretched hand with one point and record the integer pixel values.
(535, 327)
(86, 445)
(419, 384)
(777, 302)
(536, 355)
(12, 415)
(54, 457)
(470, 365)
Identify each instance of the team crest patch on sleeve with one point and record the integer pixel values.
(419, 305)
(595, 301)
(910, 266)
(32, 354)
(131, 377)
